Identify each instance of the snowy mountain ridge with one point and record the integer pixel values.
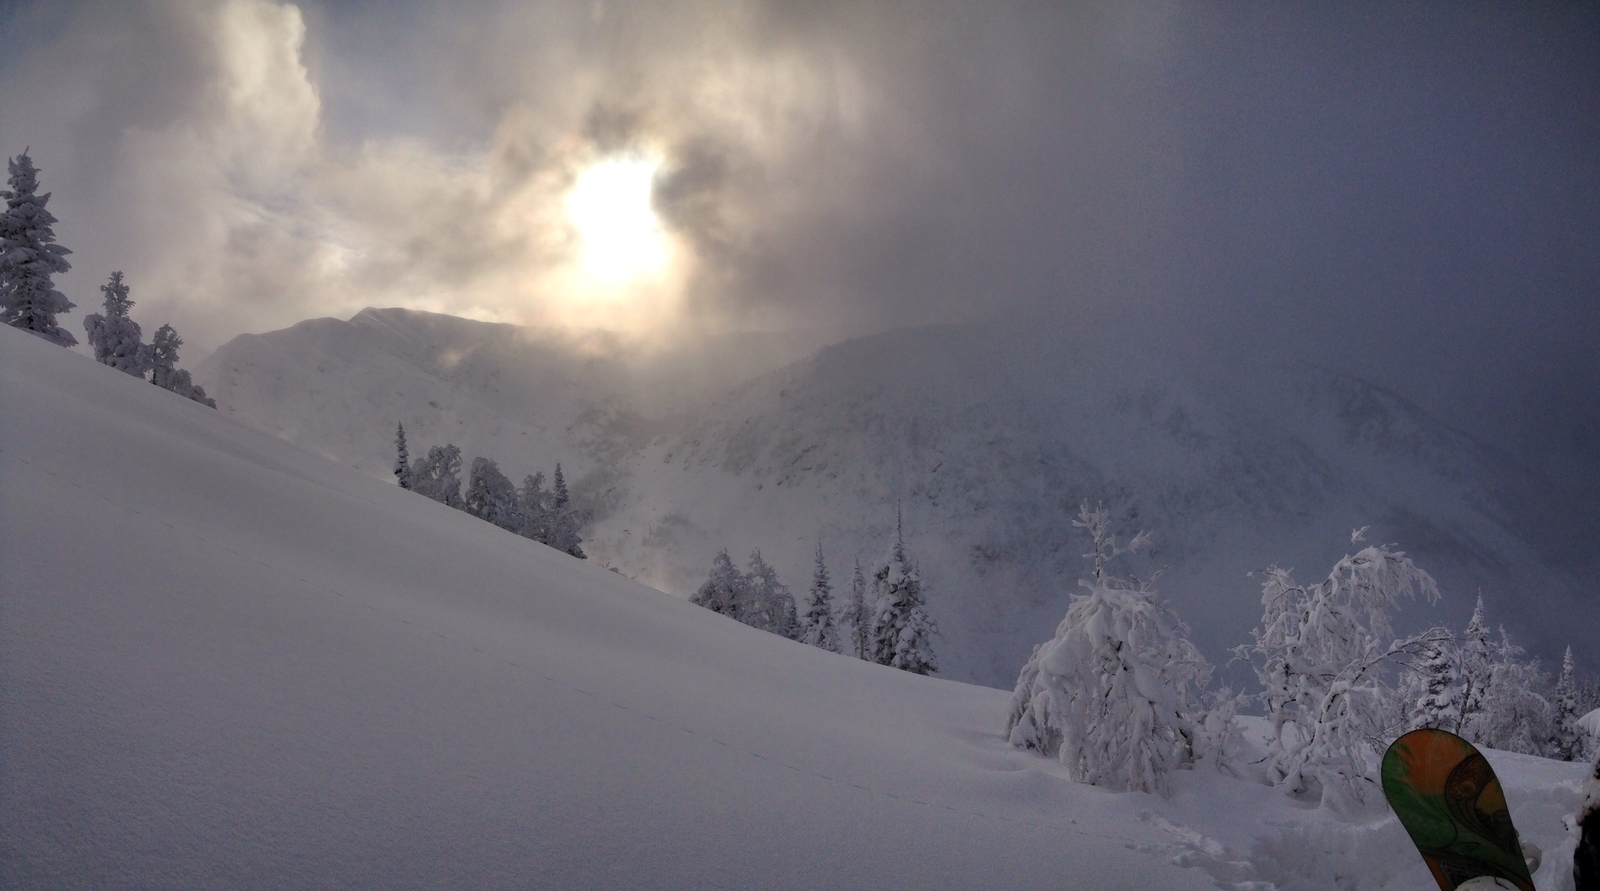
(987, 436)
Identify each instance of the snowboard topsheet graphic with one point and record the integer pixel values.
(1447, 797)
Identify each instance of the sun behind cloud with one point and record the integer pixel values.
(621, 240)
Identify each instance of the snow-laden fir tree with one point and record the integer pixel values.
(1321, 653)
(1514, 717)
(1117, 693)
(856, 620)
(1567, 742)
(902, 632)
(29, 257)
(768, 604)
(817, 626)
(402, 460)
(536, 507)
(723, 591)
(852, 616)
(1475, 664)
(164, 370)
(116, 339)
(564, 519)
(492, 497)
(1436, 704)
(437, 475)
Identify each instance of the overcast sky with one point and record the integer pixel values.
(1411, 193)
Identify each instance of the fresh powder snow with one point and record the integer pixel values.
(228, 662)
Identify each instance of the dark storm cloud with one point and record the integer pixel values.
(1410, 195)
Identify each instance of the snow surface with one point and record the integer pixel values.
(226, 662)
(988, 437)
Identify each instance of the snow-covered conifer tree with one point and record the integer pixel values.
(768, 604)
(402, 460)
(723, 590)
(816, 619)
(1320, 653)
(1436, 706)
(115, 338)
(437, 475)
(536, 508)
(855, 619)
(1568, 739)
(1476, 668)
(564, 519)
(1514, 717)
(30, 258)
(164, 370)
(1117, 693)
(492, 497)
(902, 632)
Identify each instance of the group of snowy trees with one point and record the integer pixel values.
(1119, 694)
(544, 515)
(1486, 691)
(754, 597)
(115, 339)
(29, 261)
(886, 621)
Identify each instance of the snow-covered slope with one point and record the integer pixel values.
(988, 436)
(225, 662)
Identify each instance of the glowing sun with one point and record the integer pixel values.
(621, 238)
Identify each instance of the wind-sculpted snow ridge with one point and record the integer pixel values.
(989, 436)
(227, 662)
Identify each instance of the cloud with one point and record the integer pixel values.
(219, 183)
(819, 164)
(1404, 194)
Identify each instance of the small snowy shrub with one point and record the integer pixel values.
(1116, 694)
(1321, 654)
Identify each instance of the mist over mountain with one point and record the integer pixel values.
(986, 436)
